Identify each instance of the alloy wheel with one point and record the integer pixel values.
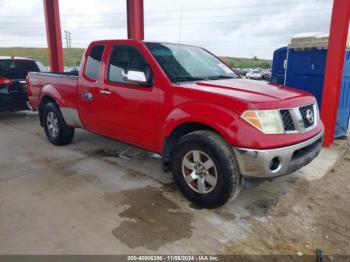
(199, 171)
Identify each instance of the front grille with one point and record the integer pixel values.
(299, 119)
(287, 120)
(308, 115)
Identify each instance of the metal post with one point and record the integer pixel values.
(53, 32)
(135, 19)
(334, 67)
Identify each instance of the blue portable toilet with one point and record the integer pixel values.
(344, 100)
(279, 65)
(305, 69)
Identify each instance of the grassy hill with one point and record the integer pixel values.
(73, 56)
(247, 62)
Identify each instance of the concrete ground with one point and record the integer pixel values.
(84, 199)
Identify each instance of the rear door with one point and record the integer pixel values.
(89, 98)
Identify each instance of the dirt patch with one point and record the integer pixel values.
(171, 187)
(347, 157)
(154, 219)
(104, 153)
(225, 214)
(314, 215)
(261, 207)
(60, 168)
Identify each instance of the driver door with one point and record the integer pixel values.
(131, 110)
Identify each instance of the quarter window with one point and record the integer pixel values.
(93, 62)
(123, 59)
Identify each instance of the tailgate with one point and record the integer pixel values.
(13, 95)
(18, 87)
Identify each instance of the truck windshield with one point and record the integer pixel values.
(17, 69)
(188, 63)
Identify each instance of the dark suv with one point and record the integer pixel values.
(13, 72)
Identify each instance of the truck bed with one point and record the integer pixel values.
(65, 85)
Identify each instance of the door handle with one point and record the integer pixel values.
(105, 92)
(87, 96)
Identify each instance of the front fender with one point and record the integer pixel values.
(218, 118)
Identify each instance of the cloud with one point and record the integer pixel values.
(237, 28)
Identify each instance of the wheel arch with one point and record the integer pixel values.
(178, 131)
(43, 101)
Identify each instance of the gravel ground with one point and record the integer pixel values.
(316, 215)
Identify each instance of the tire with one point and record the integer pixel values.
(220, 176)
(56, 129)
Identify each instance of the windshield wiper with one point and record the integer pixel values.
(187, 78)
(220, 77)
(197, 78)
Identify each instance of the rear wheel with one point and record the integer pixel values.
(56, 129)
(205, 169)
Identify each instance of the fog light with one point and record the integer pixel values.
(275, 164)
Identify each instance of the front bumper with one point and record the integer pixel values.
(277, 162)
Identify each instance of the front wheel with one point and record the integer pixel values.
(205, 169)
(56, 129)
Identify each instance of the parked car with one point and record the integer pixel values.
(254, 74)
(214, 130)
(266, 75)
(13, 72)
(241, 71)
(244, 71)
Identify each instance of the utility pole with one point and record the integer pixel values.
(67, 37)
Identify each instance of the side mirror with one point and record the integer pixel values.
(135, 77)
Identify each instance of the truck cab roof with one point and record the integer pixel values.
(128, 41)
(15, 57)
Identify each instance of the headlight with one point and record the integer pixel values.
(267, 121)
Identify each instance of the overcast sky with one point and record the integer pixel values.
(240, 28)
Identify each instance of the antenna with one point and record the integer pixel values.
(180, 26)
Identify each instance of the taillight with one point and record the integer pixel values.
(5, 81)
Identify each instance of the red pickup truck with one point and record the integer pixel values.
(216, 131)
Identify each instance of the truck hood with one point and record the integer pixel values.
(246, 89)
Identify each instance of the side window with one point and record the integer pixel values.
(93, 62)
(123, 59)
